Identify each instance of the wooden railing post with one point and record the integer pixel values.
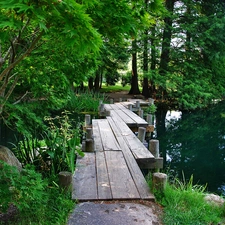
(89, 145)
(87, 120)
(130, 107)
(137, 104)
(159, 181)
(89, 133)
(141, 134)
(154, 147)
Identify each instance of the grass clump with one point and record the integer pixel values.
(184, 204)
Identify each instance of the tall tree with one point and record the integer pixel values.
(134, 80)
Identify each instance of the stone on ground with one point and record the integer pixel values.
(113, 214)
(7, 156)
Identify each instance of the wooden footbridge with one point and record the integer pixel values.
(114, 157)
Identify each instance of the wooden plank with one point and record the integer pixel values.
(108, 107)
(96, 136)
(125, 104)
(156, 163)
(84, 179)
(121, 182)
(104, 189)
(142, 102)
(128, 120)
(136, 146)
(114, 106)
(135, 171)
(140, 121)
(109, 141)
(129, 117)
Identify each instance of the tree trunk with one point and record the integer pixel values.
(134, 80)
(167, 35)
(152, 88)
(97, 80)
(145, 89)
(90, 83)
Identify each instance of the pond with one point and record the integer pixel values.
(193, 143)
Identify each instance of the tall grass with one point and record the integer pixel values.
(84, 102)
(184, 204)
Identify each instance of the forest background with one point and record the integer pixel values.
(49, 47)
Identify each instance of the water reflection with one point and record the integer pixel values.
(194, 143)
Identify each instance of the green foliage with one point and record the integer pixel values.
(54, 149)
(84, 101)
(36, 199)
(126, 79)
(184, 204)
(62, 142)
(151, 109)
(25, 190)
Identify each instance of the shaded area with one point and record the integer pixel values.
(195, 144)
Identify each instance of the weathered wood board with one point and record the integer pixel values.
(84, 182)
(96, 136)
(121, 181)
(135, 171)
(108, 139)
(137, 148)
(103, 183)
(142, 101)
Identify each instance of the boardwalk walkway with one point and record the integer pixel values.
(112, 170)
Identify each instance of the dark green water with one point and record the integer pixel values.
(194, 144)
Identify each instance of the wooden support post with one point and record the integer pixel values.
(87, 121)
(137, 104)
(89, 133)
(65, 180)
(151, 101)
(149, 119)
(141, 134)
(154, 147)
(89, 145)
(120, 99)
(101, 109)
(111, 101)
(140, 112)
(130, 107)
(159, 181)
(108, 113)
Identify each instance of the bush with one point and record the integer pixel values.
(38, 201)
(126, 79)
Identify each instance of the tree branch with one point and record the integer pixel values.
(18, 101)
(27, 52)
(13, 43)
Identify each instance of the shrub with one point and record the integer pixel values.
(38, 201)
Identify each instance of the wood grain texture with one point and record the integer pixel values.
(96, 136)
(138, 149)
(84, 182)
(109, 141)
(134, 169)
(121, 181)
(103, 184)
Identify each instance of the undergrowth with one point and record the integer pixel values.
(184, 204)
(38, 200)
